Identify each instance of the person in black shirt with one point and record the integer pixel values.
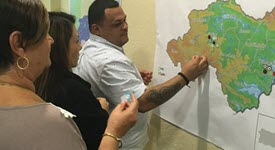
(65, 89)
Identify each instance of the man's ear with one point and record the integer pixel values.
(15, 40)
(95, 29)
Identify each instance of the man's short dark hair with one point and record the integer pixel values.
(96, 12)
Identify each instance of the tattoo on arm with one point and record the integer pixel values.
(159, 97)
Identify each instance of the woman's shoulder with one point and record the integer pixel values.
(44, 112)
(74, 94)
(44, 122)
(72, 80)
(70, 87)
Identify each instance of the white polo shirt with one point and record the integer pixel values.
(111, 74)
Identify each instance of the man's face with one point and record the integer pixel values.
(114, 27)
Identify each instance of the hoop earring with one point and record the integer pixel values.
(26, 59)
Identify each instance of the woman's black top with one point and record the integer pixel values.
(73, 94)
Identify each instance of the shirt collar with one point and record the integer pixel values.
(104, 41)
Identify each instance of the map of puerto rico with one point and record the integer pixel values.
(240, 48)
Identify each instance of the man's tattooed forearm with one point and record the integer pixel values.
(159, 97)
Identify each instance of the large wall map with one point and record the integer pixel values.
(232, 105)
(241, 48)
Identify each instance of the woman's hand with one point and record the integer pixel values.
(103, 102)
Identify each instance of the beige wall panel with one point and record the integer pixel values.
(141, 21)
(47, 4)
(65, 6)
(55, 5)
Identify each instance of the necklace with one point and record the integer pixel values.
(15, 85)
(35, 97)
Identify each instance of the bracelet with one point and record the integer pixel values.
(114, 137)
(185, 78)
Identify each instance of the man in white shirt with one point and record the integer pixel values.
(111, 74)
